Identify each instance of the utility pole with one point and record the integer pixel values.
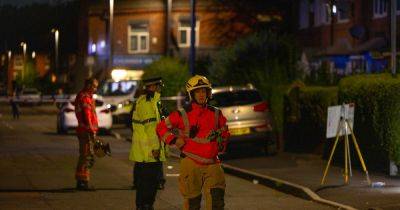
(110, 40)
(333, 11)
(168, 28)
(393, 35)
(192, 36)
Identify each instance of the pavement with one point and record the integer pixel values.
(37, 172)
(300, 175)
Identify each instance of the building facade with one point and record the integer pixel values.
(143, 31)
(352, 35)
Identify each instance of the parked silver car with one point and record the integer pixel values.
(248, 116)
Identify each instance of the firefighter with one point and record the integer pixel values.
(85, 111)
(203, 134)
(147, 151)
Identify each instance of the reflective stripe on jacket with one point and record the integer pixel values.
(195, 124)
(144, 136)
(85, 111)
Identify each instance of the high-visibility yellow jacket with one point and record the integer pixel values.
(144, 137)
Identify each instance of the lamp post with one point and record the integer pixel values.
(393, 35)
(24, 48)
(192, 36)
(333, 11)
(56, 43)
(110, 38)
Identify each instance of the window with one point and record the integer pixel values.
(322, 14)
(380, 8)
(138, 38)
(304, 14)
(343, 11)
(398, 7)
(184, 33)
(235, 98)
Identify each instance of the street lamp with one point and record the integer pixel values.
(333, 11)
(9, 54)
(192, 36)
(56, 41)
(33, 54)
(110, 38)
(24, 47)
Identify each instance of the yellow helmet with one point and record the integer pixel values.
(197, 82)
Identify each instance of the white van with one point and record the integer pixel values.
(118, 93)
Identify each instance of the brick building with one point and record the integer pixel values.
(142, 32)
(351, 35)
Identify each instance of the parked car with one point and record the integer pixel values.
(29, 96)
(66, 118)
(248, 117)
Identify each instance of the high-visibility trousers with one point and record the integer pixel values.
(196, 180)
(82, 170)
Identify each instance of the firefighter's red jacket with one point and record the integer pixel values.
(85, 111)
(196, 123)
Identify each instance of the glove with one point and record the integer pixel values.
(156, 154)
(180, 142)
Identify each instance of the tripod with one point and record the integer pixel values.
(344, 126)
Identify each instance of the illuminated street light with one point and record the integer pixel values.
(9, 54)
(334, 9)
(24, 47)
(56, 42)
(33, 54)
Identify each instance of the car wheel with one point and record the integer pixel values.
(271, 146)
(60, 128)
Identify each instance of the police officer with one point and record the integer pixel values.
(202, 135)
(147, 151)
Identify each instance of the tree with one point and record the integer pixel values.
(174, 73)
(237, 18)
(265, 59)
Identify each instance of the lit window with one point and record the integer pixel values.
(380, 8)
(184, 33)
(138, 38)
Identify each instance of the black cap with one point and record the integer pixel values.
(152, 81)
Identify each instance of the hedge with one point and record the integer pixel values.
(305, 112)
(377, 116)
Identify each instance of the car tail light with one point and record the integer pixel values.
(105, 111)
(68, 110)
(261, 107)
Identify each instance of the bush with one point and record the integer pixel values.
(305, 117)
(377, 116)
(174, 73)
(267, 60)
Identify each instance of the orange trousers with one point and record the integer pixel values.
(82, 170)
(196, 180)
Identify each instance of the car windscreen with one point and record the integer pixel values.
(117, 88)
(235, 98)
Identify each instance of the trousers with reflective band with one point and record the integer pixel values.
(195, 178)
(82, 172)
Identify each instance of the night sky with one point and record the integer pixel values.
(26, 2)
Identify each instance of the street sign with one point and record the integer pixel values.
(345, 111)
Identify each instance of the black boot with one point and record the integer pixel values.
(83, 186)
